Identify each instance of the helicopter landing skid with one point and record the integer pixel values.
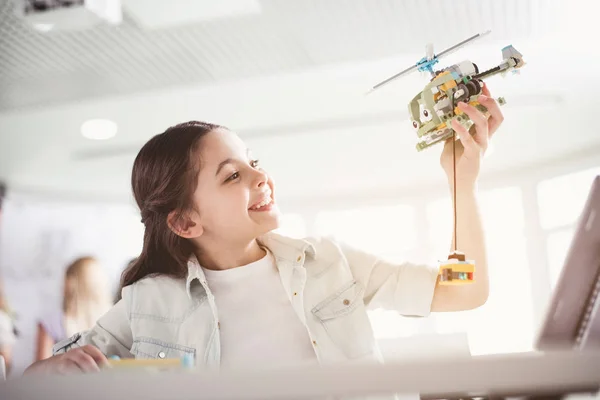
(441, 134)
(446, 133)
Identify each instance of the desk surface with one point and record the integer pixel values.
(498, 375)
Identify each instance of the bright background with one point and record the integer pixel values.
(290, 78)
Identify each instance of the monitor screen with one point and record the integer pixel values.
(572, 319)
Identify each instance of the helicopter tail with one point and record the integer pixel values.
(510, 52)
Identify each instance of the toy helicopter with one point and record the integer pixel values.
(432, 112)
(433, 109)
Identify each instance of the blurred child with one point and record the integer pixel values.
(86, 297)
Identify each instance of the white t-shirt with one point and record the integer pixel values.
(258, 325)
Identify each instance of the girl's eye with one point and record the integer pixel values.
(233, 176)
(236, 175)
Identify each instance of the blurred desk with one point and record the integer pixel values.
(498, 376)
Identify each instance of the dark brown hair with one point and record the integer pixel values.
(163, 179)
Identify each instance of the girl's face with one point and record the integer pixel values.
(235, 197)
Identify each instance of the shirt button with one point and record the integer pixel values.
(314, 342)
(295, 294)
(161, 354)
(299, 258)
(346, 302)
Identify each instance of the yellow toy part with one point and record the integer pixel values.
(456, 270)
(158, 364)
(475, 104)
(441, 126)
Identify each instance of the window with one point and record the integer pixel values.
(505, 323)
(387, 231)
(387, 324)
(562, 198)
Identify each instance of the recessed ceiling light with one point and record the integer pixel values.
(155, 15)
(43, 27)
(98, 129)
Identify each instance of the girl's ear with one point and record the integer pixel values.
(182, 225)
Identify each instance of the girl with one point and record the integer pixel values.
(86, 298)
(213, 282)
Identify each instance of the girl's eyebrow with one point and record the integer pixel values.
(222, 164)
(228, 161)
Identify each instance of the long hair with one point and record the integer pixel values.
(164, 179)
(86, 295)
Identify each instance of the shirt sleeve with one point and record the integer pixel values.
(405, 287)
(53, 323)
(111, 334)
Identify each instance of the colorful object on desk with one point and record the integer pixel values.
(456, 270)
(158, 363)
(188, 361)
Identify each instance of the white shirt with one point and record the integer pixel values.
(258, 325)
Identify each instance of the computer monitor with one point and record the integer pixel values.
(572, 320)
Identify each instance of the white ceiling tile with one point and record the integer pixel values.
(285, 36)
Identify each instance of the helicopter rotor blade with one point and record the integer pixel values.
(391, 78)
(429, 56)
(461, 44)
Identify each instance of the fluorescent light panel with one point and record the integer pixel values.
(162, 14)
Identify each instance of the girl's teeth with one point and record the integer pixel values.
(264, 203)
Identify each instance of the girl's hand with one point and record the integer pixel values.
(78, 360)
(471, 147)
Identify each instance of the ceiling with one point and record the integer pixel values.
(48, 68)
(290, 78)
